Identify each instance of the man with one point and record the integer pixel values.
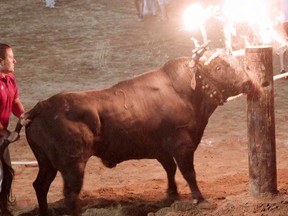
(149, 5)
(285, 13)
(284, 7)
(139, 4)
(9, 99)
(50, 3)
(163, 8)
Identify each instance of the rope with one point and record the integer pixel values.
(32, 163)
(280, 76)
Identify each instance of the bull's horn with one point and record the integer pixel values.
(198, 52)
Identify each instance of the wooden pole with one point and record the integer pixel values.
(261, 122)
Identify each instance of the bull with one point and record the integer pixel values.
(159, 115)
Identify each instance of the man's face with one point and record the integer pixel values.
(7, 64)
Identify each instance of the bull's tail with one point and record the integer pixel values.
(8, 172)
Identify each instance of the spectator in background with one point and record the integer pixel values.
(139, 4)
(50, 3)
(163, 8)
(149, 8)
(284, 7)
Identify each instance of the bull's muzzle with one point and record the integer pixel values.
(249, 87)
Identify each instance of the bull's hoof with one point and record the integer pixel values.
(173, 195)
(204, 204)
(48, 212)
(198, 200)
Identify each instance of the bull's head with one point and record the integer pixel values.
(219, 75)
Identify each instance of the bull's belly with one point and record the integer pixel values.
(117, 152)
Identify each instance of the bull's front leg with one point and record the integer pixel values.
(167, 161)
(184, 156)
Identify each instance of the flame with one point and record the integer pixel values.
(246, 22)
(255, 15)
(194, 16)
(249, 11)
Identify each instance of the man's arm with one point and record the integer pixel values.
(18, 108)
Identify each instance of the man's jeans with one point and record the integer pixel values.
(6, 158)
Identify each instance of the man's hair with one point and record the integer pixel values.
(3, 48)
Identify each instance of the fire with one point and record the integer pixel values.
(254, 16)
(194, 16)
(249, 11)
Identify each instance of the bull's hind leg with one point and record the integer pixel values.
(73, 180)
(42, 183)
(170, 167)
(184, 156)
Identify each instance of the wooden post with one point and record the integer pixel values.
(261, 122)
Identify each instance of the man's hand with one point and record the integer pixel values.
(4, 132)
(13, 136)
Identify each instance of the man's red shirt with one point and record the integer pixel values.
(8, 93)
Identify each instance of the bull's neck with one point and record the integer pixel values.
(203, 111)
(214, 94)
(205, 107)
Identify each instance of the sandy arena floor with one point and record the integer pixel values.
(93, 44)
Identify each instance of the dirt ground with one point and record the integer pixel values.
(92, 44)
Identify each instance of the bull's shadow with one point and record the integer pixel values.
(129, 206)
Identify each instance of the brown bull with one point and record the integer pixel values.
(160, 115)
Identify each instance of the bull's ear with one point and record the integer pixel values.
(193, 82)
(192, 65)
